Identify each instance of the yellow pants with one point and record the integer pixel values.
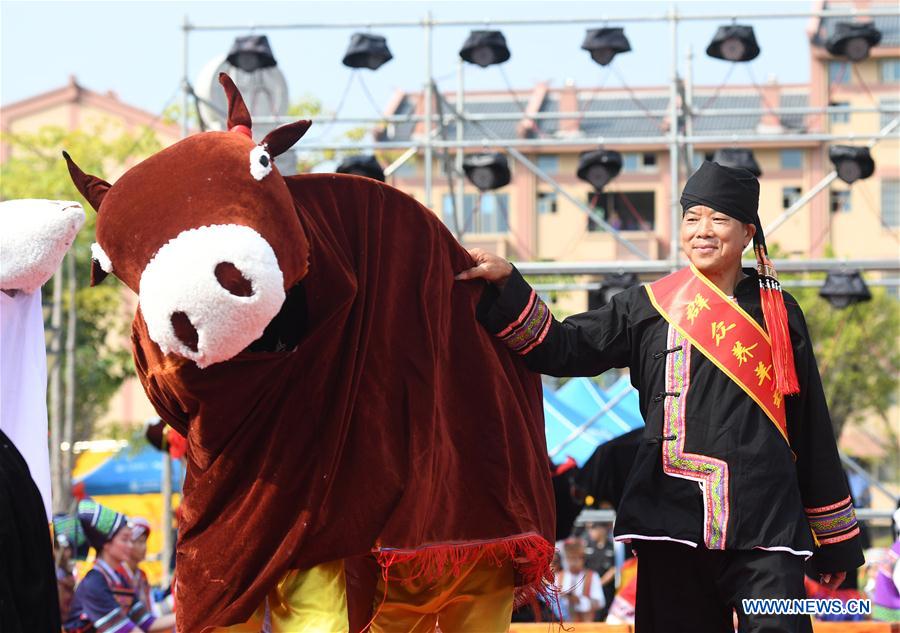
(309, 601)
(479, 600)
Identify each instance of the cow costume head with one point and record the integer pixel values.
(206, 233)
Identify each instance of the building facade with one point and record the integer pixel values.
(529, 220)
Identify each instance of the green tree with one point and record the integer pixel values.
(36, 169)
(858, 356)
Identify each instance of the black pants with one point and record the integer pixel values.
(28, 595)
(681, 589)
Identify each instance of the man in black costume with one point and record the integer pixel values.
(737, 481)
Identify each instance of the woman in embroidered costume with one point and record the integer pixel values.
(130, 569)
(105, 602)
(738, 480)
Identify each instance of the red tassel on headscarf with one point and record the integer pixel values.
(775, 314)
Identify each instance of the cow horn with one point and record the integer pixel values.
(238, 114)
(92, 188)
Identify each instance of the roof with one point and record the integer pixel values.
(73, 92)
(638, 103)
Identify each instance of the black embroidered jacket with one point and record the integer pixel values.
(713, 471)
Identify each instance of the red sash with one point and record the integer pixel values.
(724, 333)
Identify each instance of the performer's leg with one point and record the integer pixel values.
(310, 601)
(675, 591)
(304, 601)
(478, 599)
(403, 606)
(762, 574)
(482, 601)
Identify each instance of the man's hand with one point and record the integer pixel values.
(832, 581)
(488, 266)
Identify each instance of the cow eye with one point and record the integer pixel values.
(260, 162)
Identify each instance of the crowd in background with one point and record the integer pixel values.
(115, 594)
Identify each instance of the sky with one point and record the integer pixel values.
(135, 48)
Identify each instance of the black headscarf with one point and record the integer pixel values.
(733, 191)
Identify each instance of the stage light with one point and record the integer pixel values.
(604, 44)
(853, 40)
(487, 171)
(599, 166)
(611, 286)
(734, 43)
(361, 165)
(367, 51)
(615, 283)
(738, 157)
(251, 52)
(485, 48)
(851, 163)
(844, 288)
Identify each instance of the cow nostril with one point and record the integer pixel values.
(185, 330)
(233, 280)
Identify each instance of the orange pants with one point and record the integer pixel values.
(479, 600)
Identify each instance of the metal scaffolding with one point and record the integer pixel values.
(675, 141)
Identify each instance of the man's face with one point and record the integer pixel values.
(598, 533)
(713, 241)
(575, 561)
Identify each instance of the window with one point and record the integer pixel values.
(484, 213)
(840, 201)
(629, 162)
(789, 195)
(840, 117)
(890, 71)
(546, 202)
(890, 203)
(633, 162)
(792, 159)
(625, 211)
(894, 106)
(839, 72)
(548, 163)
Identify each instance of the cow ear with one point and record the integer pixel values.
(97, 273)
(279, 140)
(92, 188)
(238, 114)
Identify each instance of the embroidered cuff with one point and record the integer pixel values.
(833, 523)
(529, 329)
(516, 315)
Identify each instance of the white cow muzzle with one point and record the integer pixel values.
(210, 292)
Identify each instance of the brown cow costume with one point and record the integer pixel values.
(338, 397)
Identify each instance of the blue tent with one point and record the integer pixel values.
(580, 400)
(130, 472)
(586, 397)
